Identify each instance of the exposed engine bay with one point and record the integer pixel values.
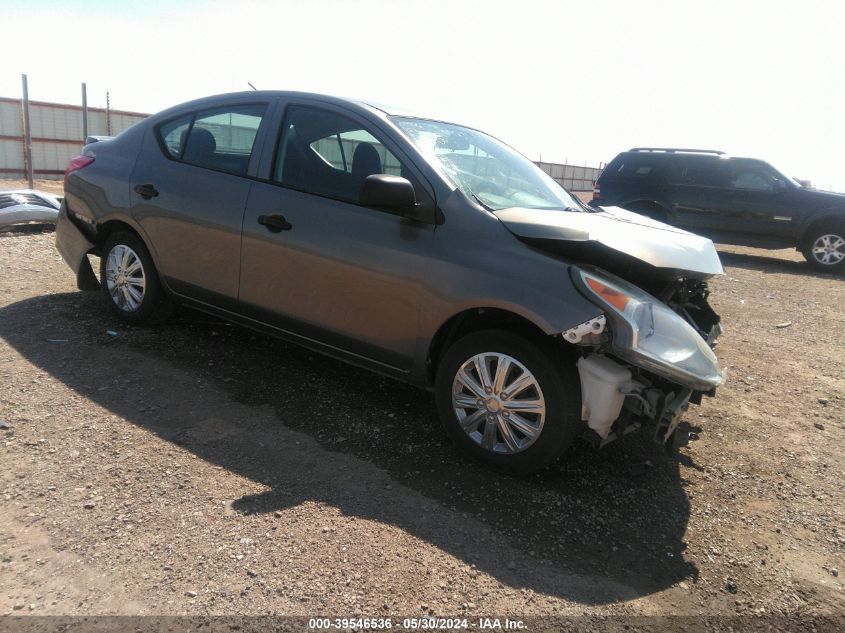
(619, 397)
(650, 353)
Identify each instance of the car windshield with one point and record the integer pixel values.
(486, 169)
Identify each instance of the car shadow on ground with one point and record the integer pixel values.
(616, 517)
(770, 264)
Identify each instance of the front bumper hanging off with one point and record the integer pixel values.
(615, 401)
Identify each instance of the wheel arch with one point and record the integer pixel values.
(107, 226)
(474, 320)
(112, 224)
(819, 218)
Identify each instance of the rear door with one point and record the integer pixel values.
(696, 187)
(326, 269)
(189, 190)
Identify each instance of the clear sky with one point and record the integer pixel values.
(566, 80)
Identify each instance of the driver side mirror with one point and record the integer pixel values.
(392, 193)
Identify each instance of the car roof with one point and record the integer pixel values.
(680, 153)
(367, 104)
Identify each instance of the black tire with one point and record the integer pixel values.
(154, 305)
(815, 238)
(559, 383)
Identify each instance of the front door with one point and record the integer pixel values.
(759, 203)
(318, 265)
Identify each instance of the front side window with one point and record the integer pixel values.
(484, 168)
(328, 154)
(220, 139)
(752, 176)
(751, 180)
(339, 151)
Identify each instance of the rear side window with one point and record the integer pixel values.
(221, 139)
(698, 172)
(633, 167)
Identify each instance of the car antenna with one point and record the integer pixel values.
(251, 86)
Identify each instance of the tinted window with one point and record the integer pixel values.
(339, 151)
(693, 171)
(220, 139)
(173, 134)
(751, 176)
(331, 155)
(633, 167)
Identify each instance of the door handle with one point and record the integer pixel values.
(275, 223)
(146, 191)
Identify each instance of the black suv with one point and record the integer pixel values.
(730, 200)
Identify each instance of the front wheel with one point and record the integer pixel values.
(824, 247)
(508, 401)
(129, 280)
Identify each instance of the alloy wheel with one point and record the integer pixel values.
(125, 278)
(498, 402)
(829, 249)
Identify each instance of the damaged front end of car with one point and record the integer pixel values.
(644, 360)
(649, 354)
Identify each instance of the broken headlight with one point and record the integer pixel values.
(649, 334)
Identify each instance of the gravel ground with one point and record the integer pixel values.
(198, 468)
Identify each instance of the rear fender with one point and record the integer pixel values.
(74, 246)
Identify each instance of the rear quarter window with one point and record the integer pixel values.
(631, 168)
(172, 134)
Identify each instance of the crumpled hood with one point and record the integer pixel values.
(648, 240)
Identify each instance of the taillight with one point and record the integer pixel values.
(77, 162)
(596, 192)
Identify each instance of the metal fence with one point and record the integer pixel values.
(572, 177)
(57, 136)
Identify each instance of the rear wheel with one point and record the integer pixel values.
(509, 401)
(824, 247)
(129, 281)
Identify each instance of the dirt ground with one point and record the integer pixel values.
(198, 468)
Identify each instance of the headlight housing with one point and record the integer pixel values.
(649, 334)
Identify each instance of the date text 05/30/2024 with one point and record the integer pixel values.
(425, 623)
